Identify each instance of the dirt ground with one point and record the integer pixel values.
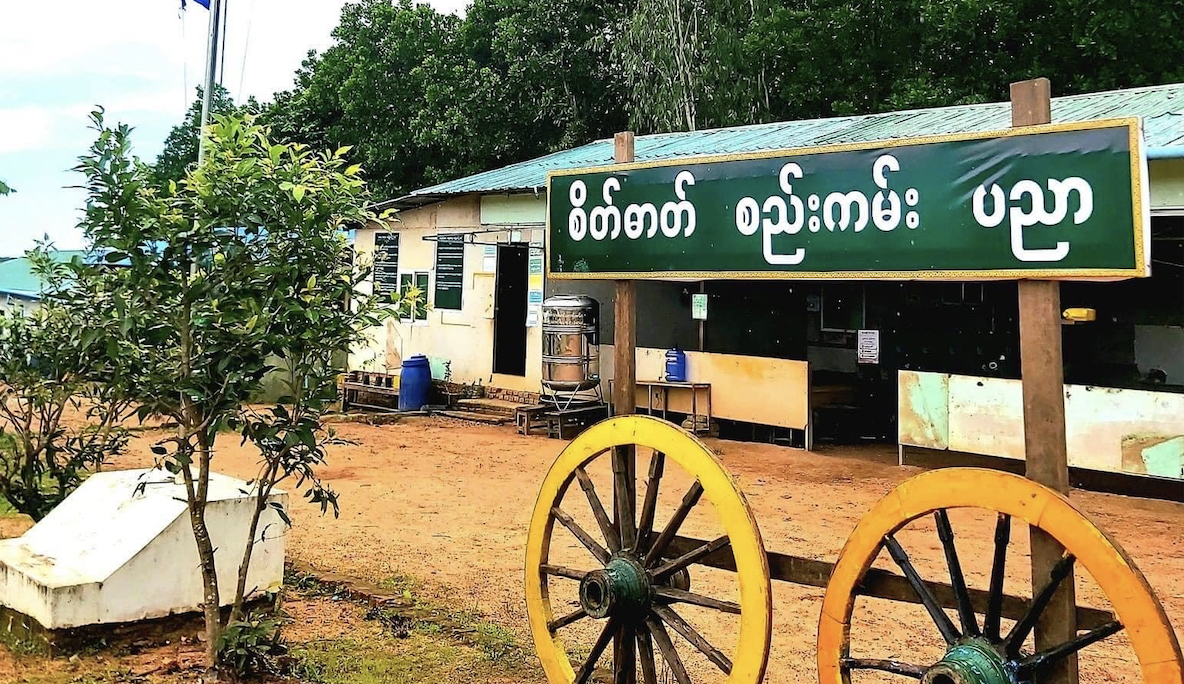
(449, 503)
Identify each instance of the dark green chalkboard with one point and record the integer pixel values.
(450, 271)
(386, 263)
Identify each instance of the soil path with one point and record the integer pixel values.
(449, 502)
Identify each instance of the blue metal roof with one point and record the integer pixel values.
(1162, 109)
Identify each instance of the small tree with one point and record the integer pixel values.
(241, 269)
(54, 369)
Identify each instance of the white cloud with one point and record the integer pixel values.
(24, 128)
(142, 60)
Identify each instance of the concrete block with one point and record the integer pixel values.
(121, 549)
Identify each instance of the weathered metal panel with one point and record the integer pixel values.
(1124, 430)
(923, 405)
(1107, 429)
(987, 416)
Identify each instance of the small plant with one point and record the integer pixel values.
(252, 646)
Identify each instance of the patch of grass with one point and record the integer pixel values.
(403, 584)
(416, 659)
(432, 616)
(24, 647)
(425, 639)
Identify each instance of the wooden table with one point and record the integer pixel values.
(664, 386)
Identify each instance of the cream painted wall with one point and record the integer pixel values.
(752, 389)
(463, 338)
(1167, 183)
(514, 209)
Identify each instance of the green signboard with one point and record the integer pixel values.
(450, 271)
(1056, 201)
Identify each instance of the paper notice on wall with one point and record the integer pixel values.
(534, 288)
(489, 259)
(699, 307)
(868, 346)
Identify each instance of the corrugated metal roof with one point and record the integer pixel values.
(17, 276)
(1162, 109)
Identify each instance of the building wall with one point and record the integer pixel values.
(1167, 183)
(458, 343)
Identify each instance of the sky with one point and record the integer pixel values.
(140, 59)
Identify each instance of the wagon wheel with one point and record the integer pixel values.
(985, 654)
(630, 583)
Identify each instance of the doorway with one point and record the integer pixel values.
(509, 310)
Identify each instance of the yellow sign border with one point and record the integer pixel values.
(1139, 181)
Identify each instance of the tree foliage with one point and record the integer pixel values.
(428, 97)
(63, 397)
(180, 147)
(241, 269)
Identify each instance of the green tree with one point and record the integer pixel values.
(426, 97)
(5, 189)
(367, 89)
(55, 368)
(684, 64)
(180, 147)
(242, 262)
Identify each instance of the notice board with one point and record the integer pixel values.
(386, 263)
(450, 271)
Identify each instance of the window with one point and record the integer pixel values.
(417, 310)
(842, 307)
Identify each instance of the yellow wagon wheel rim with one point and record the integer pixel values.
(653, 621)
(1138, 611)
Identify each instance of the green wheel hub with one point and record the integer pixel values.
(621, 588)
(973, 661)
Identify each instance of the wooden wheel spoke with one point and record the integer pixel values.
(650, 505)
(624, 657)
(680, 514)
(689, 557)
(890, 666)
(645, 652)
(560, 623)
(667, 615)
(606, 526)
(624, 494)
(957, 580)
(1019, 633)
(669, 653)
(586, 539)
(672, 595)
(560, 571)
(948, 631)
(606, 635)
(1049, 656)
(998, 570)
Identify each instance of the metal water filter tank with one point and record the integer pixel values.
(571, 343)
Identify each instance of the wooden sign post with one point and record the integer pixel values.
(1045, 448)
(624, 403)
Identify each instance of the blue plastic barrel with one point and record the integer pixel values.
(676, 365)
(415, 381)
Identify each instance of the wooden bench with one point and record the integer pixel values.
(529, 418)
(567, 423)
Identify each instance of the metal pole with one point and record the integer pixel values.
(207, 103)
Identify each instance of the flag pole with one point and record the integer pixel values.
(207, 103)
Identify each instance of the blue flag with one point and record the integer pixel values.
(203, 3)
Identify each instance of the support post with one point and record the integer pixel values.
(1045, 447)
(624, 397)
